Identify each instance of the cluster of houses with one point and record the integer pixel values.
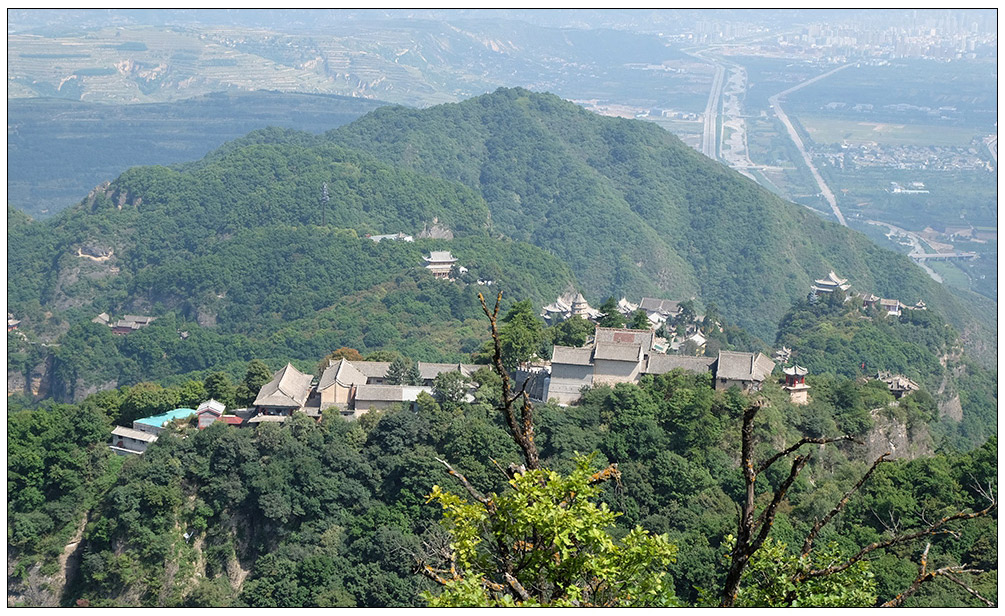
(617, 355)
(832, 283)
(659, 312)
(135, 440)
(353, 387)
(127, 324)
(614, 355)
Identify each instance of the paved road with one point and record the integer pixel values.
(774, 101)
(708, 136)
(993, 148)
(916, 248)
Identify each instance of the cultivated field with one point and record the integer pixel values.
(829, 130)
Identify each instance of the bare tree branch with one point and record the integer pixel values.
(767, 517)
(931, 530)
(431, 573)
(967, 588)
(893, 527)
(517, 587)
(808, 544)
(806, 440)
(741, 553)
(489, 505)
(924, 576)
(522, 429)
(501, 469)
(611, 472)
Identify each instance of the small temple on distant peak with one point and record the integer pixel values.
(795, 384)
(830, 284)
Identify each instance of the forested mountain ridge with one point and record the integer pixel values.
(633, 210)
(233, 244)
(230, 251)
(58, 149)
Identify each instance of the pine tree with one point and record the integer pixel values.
(413, 376)
(396, 372)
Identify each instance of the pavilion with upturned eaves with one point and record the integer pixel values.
(440, 263)
(795, 384)
(831, 283)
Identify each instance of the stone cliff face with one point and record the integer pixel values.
(890, 434)
(16, 382)
(951, 408)
(40, 379)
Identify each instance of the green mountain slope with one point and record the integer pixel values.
(59, 149)
(633, 210)
(539, 194)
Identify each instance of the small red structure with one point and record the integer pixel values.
(795, 384)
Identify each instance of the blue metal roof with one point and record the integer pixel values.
(159, 421)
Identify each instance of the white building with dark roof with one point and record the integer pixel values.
(129, 441)
(892, 307)
(616, 355)
(659, 310)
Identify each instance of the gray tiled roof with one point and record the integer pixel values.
(661, 364)
(440, 256)
(667, 306)
(737, 366)
(372, 369)
(344, 372)
(618, 352)
(138, 435)
(429, 370)
(268, 419)
(612, 335)
(384, 393)
(571, 355)
(288, 388)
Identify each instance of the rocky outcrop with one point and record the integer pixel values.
(436, 231)
(890, 434)
(16, 382)
(81, 389)
(39, 381)
(951, 408)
